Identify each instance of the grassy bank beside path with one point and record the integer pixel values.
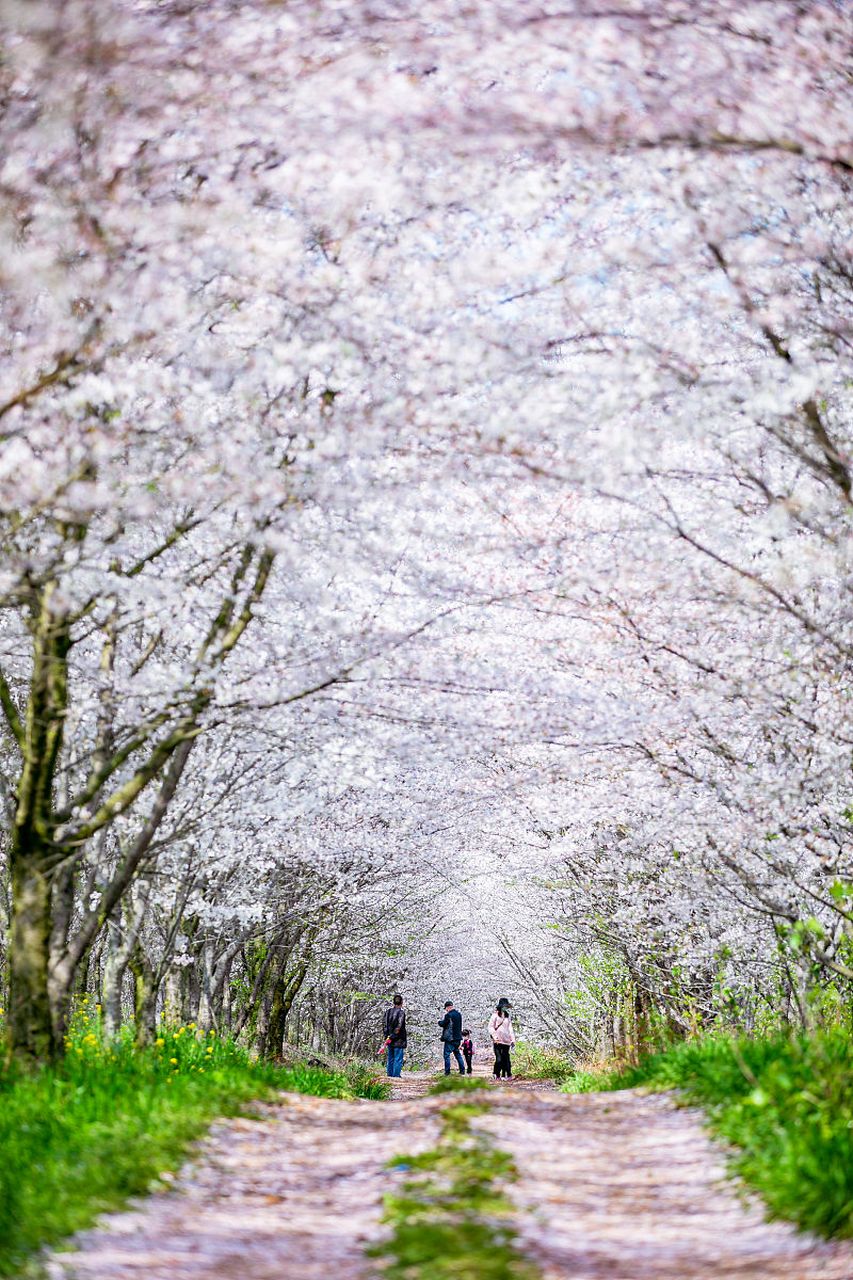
(110, 1121)
(785, 1104)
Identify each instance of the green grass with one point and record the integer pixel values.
(784, 1103)
(459, 1084)
(536, 1063)
(106, 1123)
(363, 1082)
(451, 1219)
(593, 1081)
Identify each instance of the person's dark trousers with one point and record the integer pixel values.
(449, 1048)
(395, 1060)
(503, 1064)
(468, 1062)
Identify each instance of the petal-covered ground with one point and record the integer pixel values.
(626, 1186)
(618, 1186)
(295, 1193)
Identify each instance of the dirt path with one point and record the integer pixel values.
(294, 1195)
(621, 1186)
(626, 1186)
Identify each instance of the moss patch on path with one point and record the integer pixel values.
(459, 1084)
(451, 1219)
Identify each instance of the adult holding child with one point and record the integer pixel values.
(503, 1038)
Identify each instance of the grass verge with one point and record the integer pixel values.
(533, 1062)
(109, 1121)
(784, 1103)
(451, 1219)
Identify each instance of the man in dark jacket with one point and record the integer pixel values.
(394, 1030)
(451, 1035)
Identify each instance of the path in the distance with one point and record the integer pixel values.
(612, 1187)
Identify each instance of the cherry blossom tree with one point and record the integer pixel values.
(454, 398)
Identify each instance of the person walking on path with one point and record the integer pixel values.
(503, 1038)
(467, 1048)
(394, 1029)
(451, 1035)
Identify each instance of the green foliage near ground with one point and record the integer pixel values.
(784, 1103)
(450, 1219)
(362, 1082)
(109, 1120)
(536, 1063)
(459, 1084)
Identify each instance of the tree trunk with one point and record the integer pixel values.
(30, 1029)
(218, 1001)
(262, 1029)
(96, 966)
(284, 993)
(214, 975)
(257, 963)
(114, 970)
(81, 981)
(642, 1021)
(803, 986)
(145, 992)
(285, 987)
(174, 995)
(31, 1032)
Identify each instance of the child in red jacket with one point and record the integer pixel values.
(467, 1047)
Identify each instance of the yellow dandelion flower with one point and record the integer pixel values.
(159, 1042)
(174, 1061)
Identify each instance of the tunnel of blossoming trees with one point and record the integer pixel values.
(426, 495)
(426, 492)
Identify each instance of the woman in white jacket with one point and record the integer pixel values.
(503, 1038)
